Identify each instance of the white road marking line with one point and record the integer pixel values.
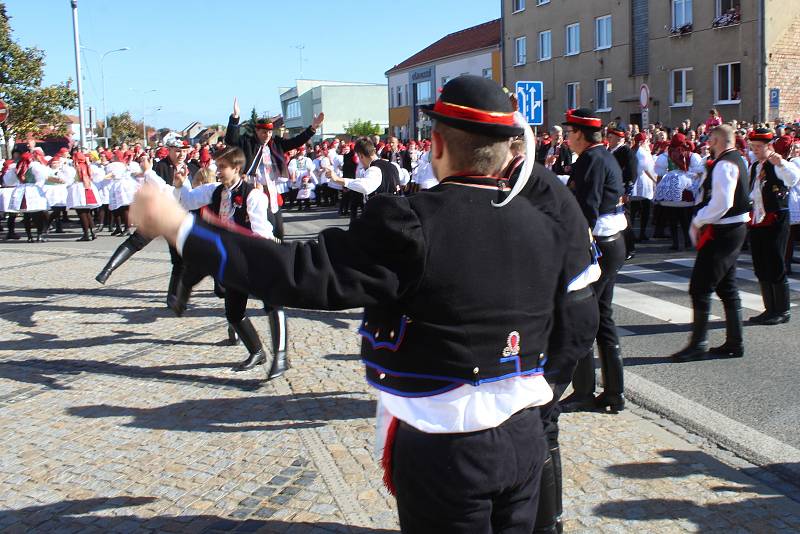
(744, 274)
(654, 307)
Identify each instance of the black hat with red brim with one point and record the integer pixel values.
(476, 105)
(765, 135)
(583, 118)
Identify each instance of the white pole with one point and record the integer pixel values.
(74, 4)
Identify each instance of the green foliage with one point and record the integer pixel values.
(359, 128)
(124, 129)
(30, 104)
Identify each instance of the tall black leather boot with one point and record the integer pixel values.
(247, 333)
(612, 398)
(548, 516)
(781, 302)
(121, 255)
(178, 301)
(769, 303)
(734, 339)
(12, 225)
(278, 331)
(698, 344)
(582, 397)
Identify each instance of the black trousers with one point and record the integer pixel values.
(715, 266)
(611, 261)
(472, 483)
(678, 217)
(641, 207)
(768, 247)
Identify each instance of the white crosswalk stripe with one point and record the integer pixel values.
(681, 283)
(744, 274)
(665, 310)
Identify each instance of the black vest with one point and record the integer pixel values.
(773, 191)
(391, 178)
(238, 199)
(741, 199)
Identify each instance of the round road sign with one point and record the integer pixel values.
(644, 96)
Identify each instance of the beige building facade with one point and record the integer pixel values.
(737, 56)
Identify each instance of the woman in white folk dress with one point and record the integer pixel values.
(28, 196)
(120, 195)
(83, 196)
(645, 185)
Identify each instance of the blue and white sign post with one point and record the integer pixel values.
(530, 97)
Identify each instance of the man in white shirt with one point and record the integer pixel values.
(718, 231)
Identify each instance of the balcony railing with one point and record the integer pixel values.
(732, 17)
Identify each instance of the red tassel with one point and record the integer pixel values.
(705, 237)
(386, 459)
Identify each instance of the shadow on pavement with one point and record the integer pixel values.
(47, 372)
(342, 357)
(302, 410)
(706, 516)
(74, 516)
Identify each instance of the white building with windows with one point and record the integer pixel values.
(342, 102)
(417, 80)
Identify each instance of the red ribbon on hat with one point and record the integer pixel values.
(760, 136)
(473, 114)
(592, 122)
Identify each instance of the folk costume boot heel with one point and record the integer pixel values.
(698, 344)
(277, 329)
(781, 302)
(769, 304)
(734, 344)
(582, 397)
(249, 336)
(612, 398)
(233, 337)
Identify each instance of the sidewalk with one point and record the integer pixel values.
(119, 417)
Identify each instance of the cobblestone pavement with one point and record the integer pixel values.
(119, 417)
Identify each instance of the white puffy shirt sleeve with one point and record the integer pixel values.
(257, 210)
(368, 184)
(788, 173)
(696, 165)
(662, 164)
(195, 198)
(723, 188)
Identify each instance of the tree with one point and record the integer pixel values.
(31, 105)
(124, 129)
(359, 128)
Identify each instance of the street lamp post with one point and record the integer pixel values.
(74, 4)
(144, 114)
(103, 83)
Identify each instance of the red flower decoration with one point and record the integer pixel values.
(237, 201)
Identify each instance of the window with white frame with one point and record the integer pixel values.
(573, 95)
(727, 83)
(681, 87)
(545, 45)
(293, 110)
(573, 35)
(681, 13)
(602, 32)
(519, 5)
(602, 94)
(487, 73)
(520, 50)
(542, 2)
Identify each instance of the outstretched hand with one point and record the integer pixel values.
(318, 120)
(235, 107)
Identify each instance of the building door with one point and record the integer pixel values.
(636, 118)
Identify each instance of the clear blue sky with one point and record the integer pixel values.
(199, 55)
